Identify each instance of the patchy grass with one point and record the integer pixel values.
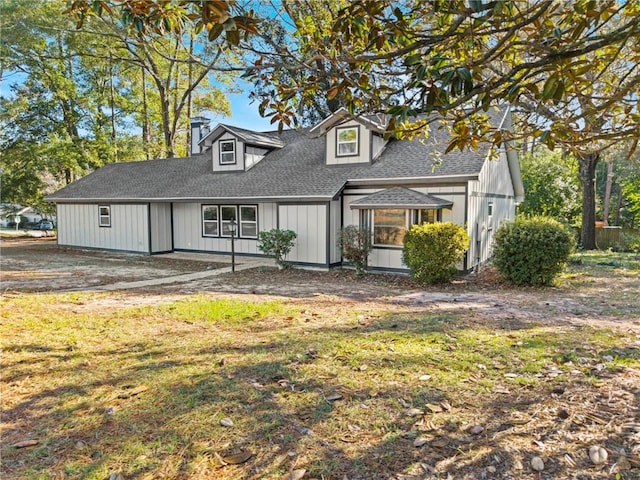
(340, 391)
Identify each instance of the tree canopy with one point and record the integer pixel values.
(571, 69)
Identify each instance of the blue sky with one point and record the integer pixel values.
(244, 114)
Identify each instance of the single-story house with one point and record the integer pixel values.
(312, 181)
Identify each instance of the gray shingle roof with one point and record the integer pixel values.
(267, 139)
(295, 171)
(399, 197)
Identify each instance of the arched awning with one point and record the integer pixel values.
(400, 197)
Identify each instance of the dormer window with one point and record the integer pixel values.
(347, 141)
(227, 152)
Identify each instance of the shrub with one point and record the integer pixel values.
(431, 250)
(355, 244)
(277, 243)
(532, 251)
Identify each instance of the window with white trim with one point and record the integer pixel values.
(227, 152)
(389, 226)
(347, 141)
(104, 215)
(248, 221)
(228, 214)
(210, 226)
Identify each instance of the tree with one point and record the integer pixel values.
(572, 68)
(552, 186)
(53, 123)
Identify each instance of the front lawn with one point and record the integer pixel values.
(340, 389)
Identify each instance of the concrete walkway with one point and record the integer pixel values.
(242, 263)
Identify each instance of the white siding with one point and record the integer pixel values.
(253, 155)
(378, 143)
(78, 226)
(494, 186)
(187, 229)
(160, 227)
(390, 257)
(215, 150)
(364, 145)
(310, 224)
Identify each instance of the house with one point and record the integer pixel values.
(312, 181)
(9, 211)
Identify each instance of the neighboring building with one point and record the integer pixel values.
(8, 212)
(340, 172)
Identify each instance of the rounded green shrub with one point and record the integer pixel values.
(532, 251)
(431, 250)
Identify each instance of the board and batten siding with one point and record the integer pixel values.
(78, 226)
(160, 222)
(187, 229)
(494, 186)
(391, 257)
(310, 224)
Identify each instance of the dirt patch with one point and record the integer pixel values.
(40, 265)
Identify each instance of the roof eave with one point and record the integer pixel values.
(460, 178)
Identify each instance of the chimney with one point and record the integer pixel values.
(199, 129)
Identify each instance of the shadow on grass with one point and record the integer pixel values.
(278, 392)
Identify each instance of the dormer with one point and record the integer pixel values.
(235, 149)
(351, 139)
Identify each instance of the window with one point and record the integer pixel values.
(347, 141)
(427, 216)
(389, 226)
(227, 152)
(228, 214)
(104, 215)
(248, 221)
(210, 221)
(490, 209)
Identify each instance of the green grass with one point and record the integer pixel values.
(270, 367)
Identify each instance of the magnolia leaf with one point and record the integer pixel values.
(236, 458)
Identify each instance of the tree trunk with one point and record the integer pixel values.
(114, 138)
(616, 218)
(190, 98)
(587, 171)
(607, 192)
(146, 140)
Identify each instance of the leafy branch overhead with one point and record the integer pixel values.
(457, 59)
(561, 63)
(161, 17)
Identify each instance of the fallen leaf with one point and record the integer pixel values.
(226, 422)
(424, 378)
(537, 464)
(333, 397)
(445, 405)
(420, 442)
(475, 429)
(237, 458)
(598, 455)
(25, 443)
(133, 392)
(295, 474)
(413, 412)
(434, 408)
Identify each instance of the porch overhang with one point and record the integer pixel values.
(400, 197)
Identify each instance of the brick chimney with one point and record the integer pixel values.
(199, 129)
